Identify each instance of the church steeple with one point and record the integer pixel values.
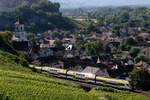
(19, 30)
(19, 21)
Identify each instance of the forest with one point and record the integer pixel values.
(37, 17)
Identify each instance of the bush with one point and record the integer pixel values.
(140, 58)
(134, 52)
(16, 59)
(140, 78)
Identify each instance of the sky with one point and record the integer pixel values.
(96, 3)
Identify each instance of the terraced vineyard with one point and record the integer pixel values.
(19, 83)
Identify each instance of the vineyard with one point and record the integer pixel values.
(20, 83)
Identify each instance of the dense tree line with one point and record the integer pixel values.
(116, 19)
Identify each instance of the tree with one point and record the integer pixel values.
(140, 78)
(94, 48)
(123, 16)
(140, 58)
(30, 36)
(54, 35)
(79, 45)
(127, 57)
(134, 52)
(58, 44)
(114, 50)
(66, 34)
(125, 47)
(139, 39)
(129, 41)
(37, 17)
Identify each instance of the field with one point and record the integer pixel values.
(20, 83)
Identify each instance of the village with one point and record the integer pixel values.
(54, 49)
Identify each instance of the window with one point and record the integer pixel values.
(80, 75)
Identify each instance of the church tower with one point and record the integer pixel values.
(19, 31)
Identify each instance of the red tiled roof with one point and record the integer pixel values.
(144, 34)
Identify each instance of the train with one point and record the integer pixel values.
(85, 77)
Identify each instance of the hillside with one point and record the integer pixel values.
(8, 5)
(20, 83)
(37, 17)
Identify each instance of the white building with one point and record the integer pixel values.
(19, 31)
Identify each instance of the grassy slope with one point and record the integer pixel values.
(18, 83)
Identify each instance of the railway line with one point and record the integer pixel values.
(88, 78)
(88, 86)
(83, 83)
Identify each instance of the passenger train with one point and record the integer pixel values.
(85, 77)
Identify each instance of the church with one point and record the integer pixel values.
(20, 41)
(20, 33)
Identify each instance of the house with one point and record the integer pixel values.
(142, 64)
(59, 64)
(45, 50)
(146, 52)
(68, 54)
(113, 45)
(96, 70)
(107, 33)
(69, 47)
(94, 36)
(115, 39)
(143, 44)
(146, 36)
(69, 40)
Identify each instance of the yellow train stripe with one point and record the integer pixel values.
(103, 78)
(44, 68)
(38, 67)
(63, 71)
(70, 72)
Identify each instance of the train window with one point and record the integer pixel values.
(127, 85)
(80, 75)
(121, 84)
(53, 70)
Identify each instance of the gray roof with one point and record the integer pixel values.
(90, 69)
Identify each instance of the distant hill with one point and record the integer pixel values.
(37, 15)
(98, 3)
(8, 5)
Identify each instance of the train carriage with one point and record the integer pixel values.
(57, 72)
(113, 82)
(85, 77)
(71, 75)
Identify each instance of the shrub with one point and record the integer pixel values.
(140, 58)
(140, 78)
(16, 59)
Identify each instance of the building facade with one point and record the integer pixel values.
(20, 33)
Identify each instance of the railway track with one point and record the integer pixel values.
(88, 86)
